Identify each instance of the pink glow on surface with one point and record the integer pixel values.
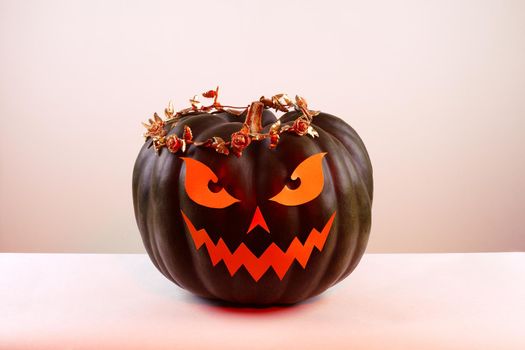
(391, 301)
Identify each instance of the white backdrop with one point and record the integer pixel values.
(435, 88)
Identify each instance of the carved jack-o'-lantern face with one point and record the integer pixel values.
(202, 187)
(270, 226)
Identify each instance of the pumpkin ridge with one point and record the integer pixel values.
(153, 218)
(138, 187)
(351, 157)
(355, 199)
(324, 118)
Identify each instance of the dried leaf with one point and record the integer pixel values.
(155, 127)
(185, 111)
(156, 117)
(285, 128)
(286, 99)
(195, 103)
(312, 132)
(274, 128)
(281, 102)
(220, 145)
(222, 149)
(187, 134)
(169, 111)
(301, 102)
(236, 112)
(279, 107)
(267, 102)
(158, 143)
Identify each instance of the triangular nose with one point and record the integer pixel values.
(258, 220)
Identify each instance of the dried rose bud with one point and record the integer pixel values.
(239, 141)
(173, 143)
(300, 126)
(209, 94)
(274, 139)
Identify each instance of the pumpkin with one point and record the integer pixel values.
(255, 220)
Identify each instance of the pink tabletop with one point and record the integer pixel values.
(391, 301)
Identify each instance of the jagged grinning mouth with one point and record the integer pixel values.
(273, 256)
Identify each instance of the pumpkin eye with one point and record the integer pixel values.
(305, 183)
(293, 184)
(214, 186)
(203, 187)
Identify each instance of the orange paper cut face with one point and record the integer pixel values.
(300, 188)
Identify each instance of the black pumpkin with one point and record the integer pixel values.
(223, 227)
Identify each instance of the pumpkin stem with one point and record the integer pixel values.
(253, 121)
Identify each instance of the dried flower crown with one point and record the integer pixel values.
(158, 128)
